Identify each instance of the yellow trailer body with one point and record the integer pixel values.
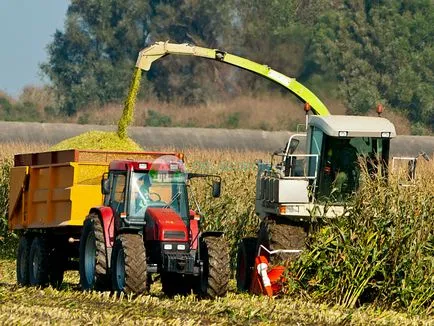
(57, 189)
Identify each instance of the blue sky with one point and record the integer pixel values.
(26, 27)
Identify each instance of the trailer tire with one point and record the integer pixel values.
(23, 255)
(245, 262)
(93, 260)
(129, 269)
(39, 262)
(214, 280)
(282, 234)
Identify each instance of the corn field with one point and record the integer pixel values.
(375, 264)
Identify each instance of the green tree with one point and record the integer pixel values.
(93, 59)
(381, 52)
(204, 23)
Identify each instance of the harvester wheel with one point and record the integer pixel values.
(245, 262)
(39, 262)
(214, 252)
(174, 283)
(23, 255)
(129, 269)
(93, 265)
(282, 234)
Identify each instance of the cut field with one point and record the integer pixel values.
(71, 306)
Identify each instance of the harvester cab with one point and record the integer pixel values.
(299, 185)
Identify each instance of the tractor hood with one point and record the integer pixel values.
(164, 224)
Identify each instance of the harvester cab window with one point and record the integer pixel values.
(340, 168)
(117, 197)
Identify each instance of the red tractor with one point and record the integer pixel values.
(145, 226)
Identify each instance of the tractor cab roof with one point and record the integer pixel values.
(353, 126)
(164, 165)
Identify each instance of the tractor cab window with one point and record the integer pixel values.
(340, 168)
(117, 196)
(160, 189)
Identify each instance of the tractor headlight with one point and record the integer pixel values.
(180, 247)
(167, 246)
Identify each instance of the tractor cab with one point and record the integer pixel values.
(132, 187)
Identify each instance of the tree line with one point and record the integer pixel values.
(361, 51)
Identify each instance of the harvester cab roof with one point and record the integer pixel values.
(353, 126)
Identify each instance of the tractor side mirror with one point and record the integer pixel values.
(216, 188)
(105, 184)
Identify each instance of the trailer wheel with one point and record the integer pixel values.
(245, 262)
(282, 234)
(129, 269)
(38, 262)
(23, 255)
(174, 283)
(214, 252)
(93, 256)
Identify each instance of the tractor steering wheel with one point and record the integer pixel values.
(158, 197)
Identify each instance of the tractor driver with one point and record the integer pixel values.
(140, 199)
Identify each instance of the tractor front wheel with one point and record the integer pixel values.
(93, 265)
(214, 252)
(129, 270)
(245, 262)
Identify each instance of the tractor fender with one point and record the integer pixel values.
(107, 219)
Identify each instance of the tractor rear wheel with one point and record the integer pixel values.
(93, 261)
(129, 270)
(245, 262)
(215, 254)
(275, 234)
(23, 255)
(39, 262)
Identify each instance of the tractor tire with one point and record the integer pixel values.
(93, 262)
(174, 283)
(282, 234)
(39, 262)
(214, 252)
(23, 255)
(129, 269)
(245, 262)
